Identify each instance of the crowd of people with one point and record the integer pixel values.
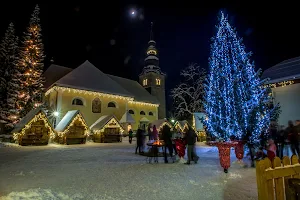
(175, 143)
(280, 140)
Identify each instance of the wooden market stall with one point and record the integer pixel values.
(107, 129)
(72, 129)
(33, 129)
(160, 123)
(181, 126)
(127, 121)
(199, 126)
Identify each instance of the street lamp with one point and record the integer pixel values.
(172, 120)
(56, 114)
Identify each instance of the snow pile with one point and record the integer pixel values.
(40, 194)
(8, 144)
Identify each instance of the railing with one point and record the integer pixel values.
(272, 177)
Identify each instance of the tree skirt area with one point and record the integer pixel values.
(115, 172)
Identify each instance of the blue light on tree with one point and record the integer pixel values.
(236, 101)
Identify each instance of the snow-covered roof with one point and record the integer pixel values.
(67, 119)
(102, 121)
(151, 57)
(135, 89)
(88, 77)
(144, 119)
(22, 123)
(198, 123)
(286, 70)
(127, 118)
(54, 73)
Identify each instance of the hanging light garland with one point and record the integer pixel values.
(280, 84)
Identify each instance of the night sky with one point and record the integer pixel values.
(115, 42)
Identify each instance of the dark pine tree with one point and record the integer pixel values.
(236, 99)
(10, 76)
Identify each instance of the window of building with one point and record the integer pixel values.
(157, 81)
(131, 112)
(142, 113)
(96, 105)
(153, 52)
(77, 101)
(111, 105)
(145, 82)
(151, 113)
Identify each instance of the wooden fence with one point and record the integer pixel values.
(272, 176)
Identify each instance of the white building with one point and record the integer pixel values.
(284, 80)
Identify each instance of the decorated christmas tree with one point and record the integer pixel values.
(10, 76)
(236, 102)
(31, 63)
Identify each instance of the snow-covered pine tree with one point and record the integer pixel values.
(31, 62)
(236, 101)
(10, 77)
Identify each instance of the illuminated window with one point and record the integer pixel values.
(142, 113)
(145, 82)
(157, 81)
(153, 52)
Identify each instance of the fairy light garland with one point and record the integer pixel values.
(86, 92)
(37, 117)
(79, 118)
(143, 103)
(108, 124)
(280, 84)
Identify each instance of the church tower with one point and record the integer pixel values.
(152, 79)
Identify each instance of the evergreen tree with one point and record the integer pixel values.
(31, 62)
(10, 77)
(236, 99)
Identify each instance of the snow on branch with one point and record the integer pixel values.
(188, 95)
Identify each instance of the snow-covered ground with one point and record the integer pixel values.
(114, 172)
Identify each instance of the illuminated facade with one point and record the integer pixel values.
(96, 94)
(284, 79)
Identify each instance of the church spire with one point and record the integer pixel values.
(151, 31)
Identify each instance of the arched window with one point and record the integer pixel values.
(111, 105)
(142, 113)
(151, 113)
(131, 112)
(96, 105)
(77, 101)
(157, 81)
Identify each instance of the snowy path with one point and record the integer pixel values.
(113, 172)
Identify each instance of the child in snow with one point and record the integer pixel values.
(271, 149)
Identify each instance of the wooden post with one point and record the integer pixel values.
(279, 189)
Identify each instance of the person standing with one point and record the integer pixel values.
(139, 141)
(293, 137)
(155, 133)
(130, 134)
(191, 138)
(167, 137)
(150, 134)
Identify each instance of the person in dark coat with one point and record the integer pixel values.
(150, 134)
(139, 141)
(167, 137)
(130, 134)
(191, 138)
(293, 138)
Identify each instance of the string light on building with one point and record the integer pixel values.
(79, 118)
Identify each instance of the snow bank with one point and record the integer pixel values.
(40, 194)
(8, 144)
